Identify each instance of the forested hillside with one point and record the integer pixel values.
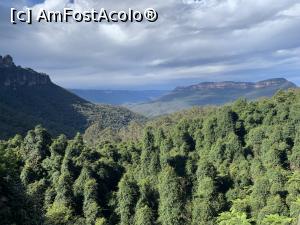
(232, 165)
(29, 98)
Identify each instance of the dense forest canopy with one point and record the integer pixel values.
(233, 165)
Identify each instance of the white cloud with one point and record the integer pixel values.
(188, 42)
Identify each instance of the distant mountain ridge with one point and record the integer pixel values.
(233, 84)
(29, 98)
(211, 93)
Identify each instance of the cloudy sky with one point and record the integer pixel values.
(192, 41)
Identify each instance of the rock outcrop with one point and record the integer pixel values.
(6, 61)
(12, 76)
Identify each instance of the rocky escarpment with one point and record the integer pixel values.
(238, 85)
(13, 77)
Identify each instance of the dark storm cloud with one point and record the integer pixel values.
(210, 40)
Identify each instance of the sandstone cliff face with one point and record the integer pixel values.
(271, 82)
(12, 76)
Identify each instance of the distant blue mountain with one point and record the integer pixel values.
(210, 93)
(119, 97)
